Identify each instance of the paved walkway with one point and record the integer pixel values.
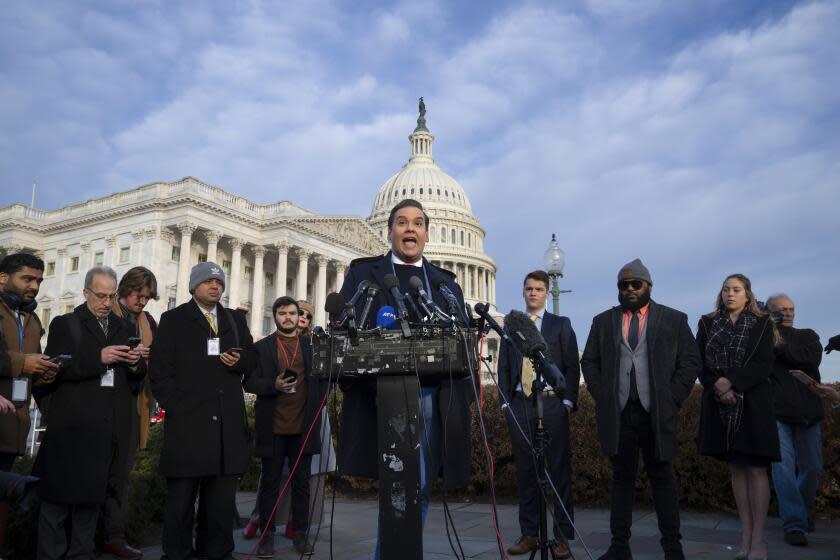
(711, 536)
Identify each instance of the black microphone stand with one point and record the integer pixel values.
(545, 545)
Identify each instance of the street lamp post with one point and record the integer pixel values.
(555, 260)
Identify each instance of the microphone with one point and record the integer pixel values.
(483, 312)
(334, 305)
(393, 285)
(386, 317)
(451, 300)
(426, 302)
(530, 343)
(372, 291)
(360, 290)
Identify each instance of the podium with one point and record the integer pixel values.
(397, 363)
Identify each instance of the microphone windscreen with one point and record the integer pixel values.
(373, 289)
(415, 282)
(481, 308)
(386, 317)
(523, 331)
(334, 304)
(391, 281)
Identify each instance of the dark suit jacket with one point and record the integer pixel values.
(357, 443)
(205, 432)
(674, 364)
(562, 349)
(260, 382)
(84, 417)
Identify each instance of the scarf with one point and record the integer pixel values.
(15, 302)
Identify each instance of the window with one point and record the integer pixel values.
(453, 237)
(46, 315)
(269, 279)
(202, 257)
(176, 253)
(125, 254)
(421, 190)
(50, 268)
(74, 265)
(443, 235)
(248, 272)
(226, 267)
(266, 326)
(462, 238)
(98, 258)
(170, 304)
(469, 240)
(432, 234)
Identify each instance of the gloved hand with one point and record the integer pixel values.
(833, 344)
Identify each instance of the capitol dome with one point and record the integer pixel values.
(456, 238)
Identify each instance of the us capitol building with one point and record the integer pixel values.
(266, 250)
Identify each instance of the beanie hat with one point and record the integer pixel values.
(634, 270)
(205, 271)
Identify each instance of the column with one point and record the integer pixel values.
(235, 273)
(137, 250)
(474, 282)
(110, 254)
(303, 264)
(257, 301)
(183, 288)
(320, 290)
(482, 284)
(84, 258)
(282, 267)
(340, 269)
(493, 288)
(151, 241)
(59, 274)
(212, 245)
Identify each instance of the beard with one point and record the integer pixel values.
(644, 299)
(288, 331)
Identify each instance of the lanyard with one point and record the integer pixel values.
(282, 347)
(20, 330)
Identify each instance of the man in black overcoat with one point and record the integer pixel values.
(445, 405)
(640, 364)
(201, 352)
(288, 401)
(515, 376)
(87, 419)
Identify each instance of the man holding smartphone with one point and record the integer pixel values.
(288, 397)
(200, 354)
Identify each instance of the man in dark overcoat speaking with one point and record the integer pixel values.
(640, 363)
(200, 354)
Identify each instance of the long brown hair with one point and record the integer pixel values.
(752, 302)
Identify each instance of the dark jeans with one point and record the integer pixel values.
(558, 456)
(52, 532)
(219, 497)
(637, 433)
(285, 448)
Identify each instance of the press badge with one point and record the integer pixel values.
(20, 389)
(212, 346)
(107, 379)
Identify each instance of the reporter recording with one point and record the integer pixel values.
(442, 403)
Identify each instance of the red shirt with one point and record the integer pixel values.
(628, 315)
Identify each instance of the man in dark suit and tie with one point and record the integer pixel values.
(640, 363)
(516, 375)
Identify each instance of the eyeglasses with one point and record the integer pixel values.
(103, 297)
(308, 316)
(625, 285)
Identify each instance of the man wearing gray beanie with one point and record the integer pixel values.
(636, 402)
(200, 354)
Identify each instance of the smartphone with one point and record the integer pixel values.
(289, 375)
(61, 359)
(233, 350)
(133, 341)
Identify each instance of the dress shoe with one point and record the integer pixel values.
(266, 548)
(525, 544)
(561, 550)
(796, 538)
(302, 543)
(614, 553)
(121, 549)
(250, 531)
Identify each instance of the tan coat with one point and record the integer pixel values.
(14, 428)
(144, 398)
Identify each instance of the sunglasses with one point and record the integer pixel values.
(627, 284)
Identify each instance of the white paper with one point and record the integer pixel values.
(213, 346)
(107, 379)
(20, 389)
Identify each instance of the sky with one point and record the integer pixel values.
(701, 137)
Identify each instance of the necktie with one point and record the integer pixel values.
(633, 341)
(212, 320)
(527, 371)
(104, 324)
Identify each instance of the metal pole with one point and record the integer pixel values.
(555, 295)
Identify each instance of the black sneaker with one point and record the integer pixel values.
(796, 538)
(302, 544)
(266, 548)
